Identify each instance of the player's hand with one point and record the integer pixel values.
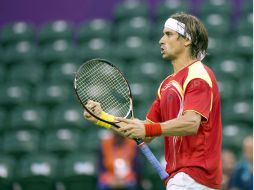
(132, 128)
(95, 108)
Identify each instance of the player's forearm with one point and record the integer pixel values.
(181, 126)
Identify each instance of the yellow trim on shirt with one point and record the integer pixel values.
(197, 70)
(158, 92)
(178, 87)
(211, 101)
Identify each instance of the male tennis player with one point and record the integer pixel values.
(186, 110)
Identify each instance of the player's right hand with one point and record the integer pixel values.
(95, 108)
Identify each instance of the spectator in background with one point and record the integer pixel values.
(118, 164)
(228, 165)
(242, 178)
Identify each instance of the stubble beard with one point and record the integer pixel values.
(167, 57)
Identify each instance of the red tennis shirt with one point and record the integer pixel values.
(193, 88)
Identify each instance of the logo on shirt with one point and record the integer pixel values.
(173, 85)
(170, 97)
(166, 87)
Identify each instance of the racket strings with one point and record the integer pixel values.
(105, 89)
(101, 82)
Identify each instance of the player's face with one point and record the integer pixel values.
(171, 44)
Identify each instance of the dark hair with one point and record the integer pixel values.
(195, 28)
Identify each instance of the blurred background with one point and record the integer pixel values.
(44, 141)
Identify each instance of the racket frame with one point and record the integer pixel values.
(130, 112)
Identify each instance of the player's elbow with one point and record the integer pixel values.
(193, 121)
(193, 126)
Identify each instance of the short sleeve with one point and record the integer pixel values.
(198, 98)
(154, 113)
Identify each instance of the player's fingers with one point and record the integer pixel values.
(129, 133)
(90, 102)
(90, 106)
(86, 115)
(97, 110)
(93, 103)
(135, 120)
(94, 107)
(121, 119)
(125, 128)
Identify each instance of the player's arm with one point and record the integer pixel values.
(187, 124)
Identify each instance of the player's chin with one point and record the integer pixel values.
(165, 56)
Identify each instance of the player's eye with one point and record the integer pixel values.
(168, 34)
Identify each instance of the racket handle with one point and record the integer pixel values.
(153, 160)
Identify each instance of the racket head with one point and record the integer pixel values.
(101, 81)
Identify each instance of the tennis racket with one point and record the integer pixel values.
(102, 82)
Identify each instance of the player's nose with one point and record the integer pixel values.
(161, 41)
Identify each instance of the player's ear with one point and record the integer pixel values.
(187, 42)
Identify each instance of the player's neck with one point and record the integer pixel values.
(181, 62)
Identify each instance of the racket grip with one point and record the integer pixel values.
(153, 160)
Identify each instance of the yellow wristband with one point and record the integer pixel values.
(106, 117)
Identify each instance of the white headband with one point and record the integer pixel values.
(179, 27)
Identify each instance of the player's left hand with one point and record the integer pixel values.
(94, 107)
(132, 128)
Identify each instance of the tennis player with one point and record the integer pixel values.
(186, 110)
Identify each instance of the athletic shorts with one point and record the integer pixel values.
(182, 181)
